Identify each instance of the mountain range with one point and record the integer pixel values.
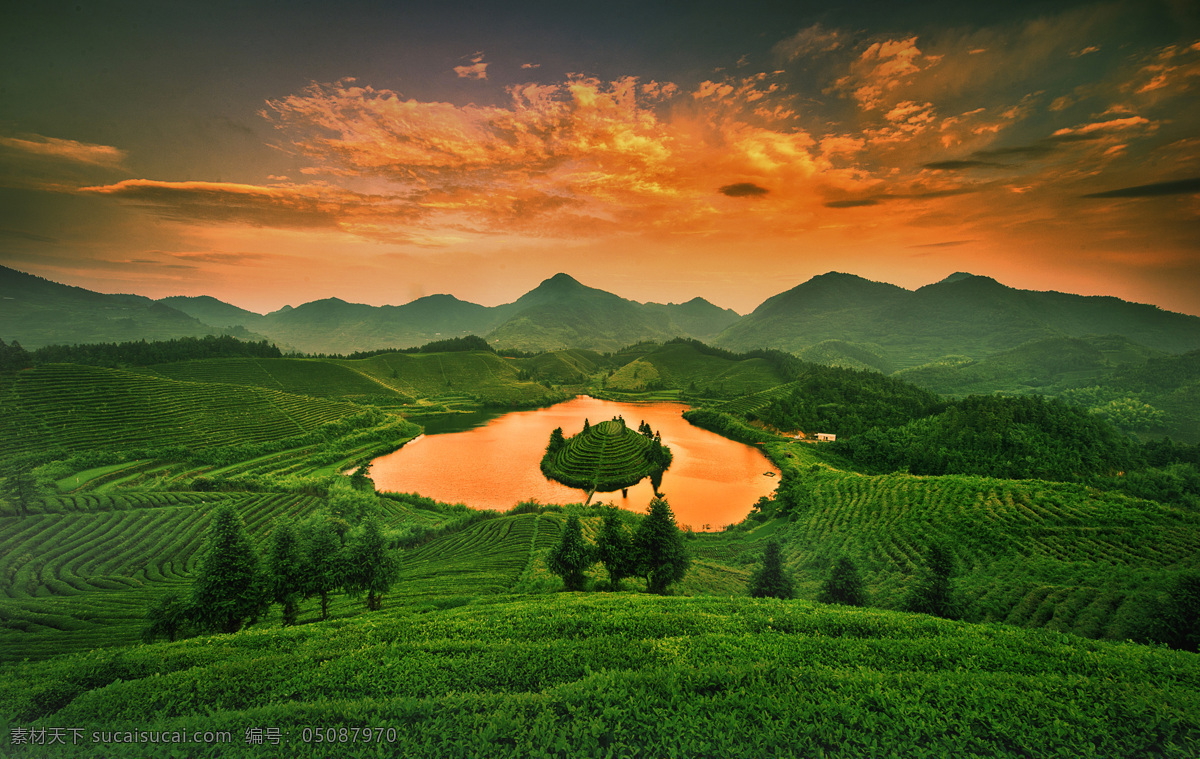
(840, 318)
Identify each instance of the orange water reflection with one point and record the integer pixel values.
(713, 481)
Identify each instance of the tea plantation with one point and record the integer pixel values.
(623, 675)
(110, 479)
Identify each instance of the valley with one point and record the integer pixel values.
(1074, 533)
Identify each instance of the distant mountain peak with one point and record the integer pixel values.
(963, 276)
(956, 276)
(561, 280)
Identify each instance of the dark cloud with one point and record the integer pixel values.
(852, 203)
(1157, 189)
(20, 235)
(947, 244)
(959, 165)
(743, 190)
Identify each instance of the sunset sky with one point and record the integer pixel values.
(276, 153)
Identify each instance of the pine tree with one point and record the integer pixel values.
(658, 547)
(572, 556)
(614, 549)
(323, 568)
(370, 567)
(844, 585)
(557, 441)
(285, 570)
(771, 581)
(229, 587)
(933, 593)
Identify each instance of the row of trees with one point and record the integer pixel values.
(136, 352)
(931, 594)
(314, 558)
(654, 551)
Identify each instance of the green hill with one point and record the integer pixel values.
(846, 355)
(562, 313)
(1041, 365)
(38, 312)
(66, 407)
(397, 379)
(627, 675)
(1029, 553)
(1136, 388)
(964, 314)
(212, 311)
(316, 377)
(685, 365)
(478, 376)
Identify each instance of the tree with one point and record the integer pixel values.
(322, 565)
(370, 566)
(167, 618)
(844, 585)
(229, 587)
(361, 478)
(933, 593)
(572, 556)
(557, 441)
(285, 570)
(771, 581)
(658, 547)
(614, 549)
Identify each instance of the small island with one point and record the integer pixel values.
(606, 457)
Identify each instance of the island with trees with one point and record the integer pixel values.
(607, 456)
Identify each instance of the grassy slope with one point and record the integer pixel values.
(679, 366)
(392, 379)
(476, 374)
(1033, 554)
(1105, 369)
(1030, 553)
(70, 407)
(626, 674)
(80, 571)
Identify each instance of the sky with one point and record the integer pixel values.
(270, 153)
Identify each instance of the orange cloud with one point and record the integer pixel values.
(288, 206)
(66, 150)
(883, 67)
(477, 69)
(560, 158)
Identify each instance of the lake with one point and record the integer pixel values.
(494, 464)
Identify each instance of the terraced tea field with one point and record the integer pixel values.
(485, 559)
(81, 573)
(1029, 553)
(626, 674)
(72, 408)
(481, 376)
(608, 456)
(316, 377)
